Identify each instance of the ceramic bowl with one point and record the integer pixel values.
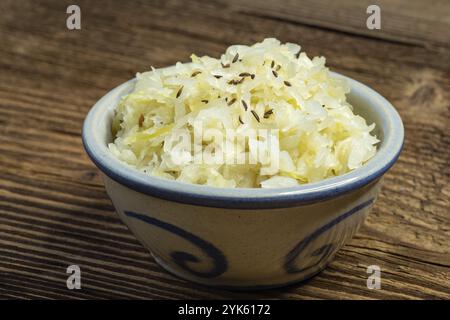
(244, 238)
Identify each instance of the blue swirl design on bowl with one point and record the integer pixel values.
(220, 264)
(323, 252)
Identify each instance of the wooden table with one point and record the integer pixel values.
(54, 211)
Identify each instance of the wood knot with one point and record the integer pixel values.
(423, 95)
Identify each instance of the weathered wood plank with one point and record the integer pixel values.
(421, 23)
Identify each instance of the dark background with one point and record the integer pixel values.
(54, 211)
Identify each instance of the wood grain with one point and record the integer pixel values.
(54, 211)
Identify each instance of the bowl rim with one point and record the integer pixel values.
(246, 198)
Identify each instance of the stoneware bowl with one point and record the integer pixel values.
(245, 238)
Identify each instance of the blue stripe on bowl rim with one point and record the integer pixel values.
(245, 198)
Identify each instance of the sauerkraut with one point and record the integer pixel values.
(161, 127)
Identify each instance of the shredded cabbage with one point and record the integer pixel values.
(269, 86)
